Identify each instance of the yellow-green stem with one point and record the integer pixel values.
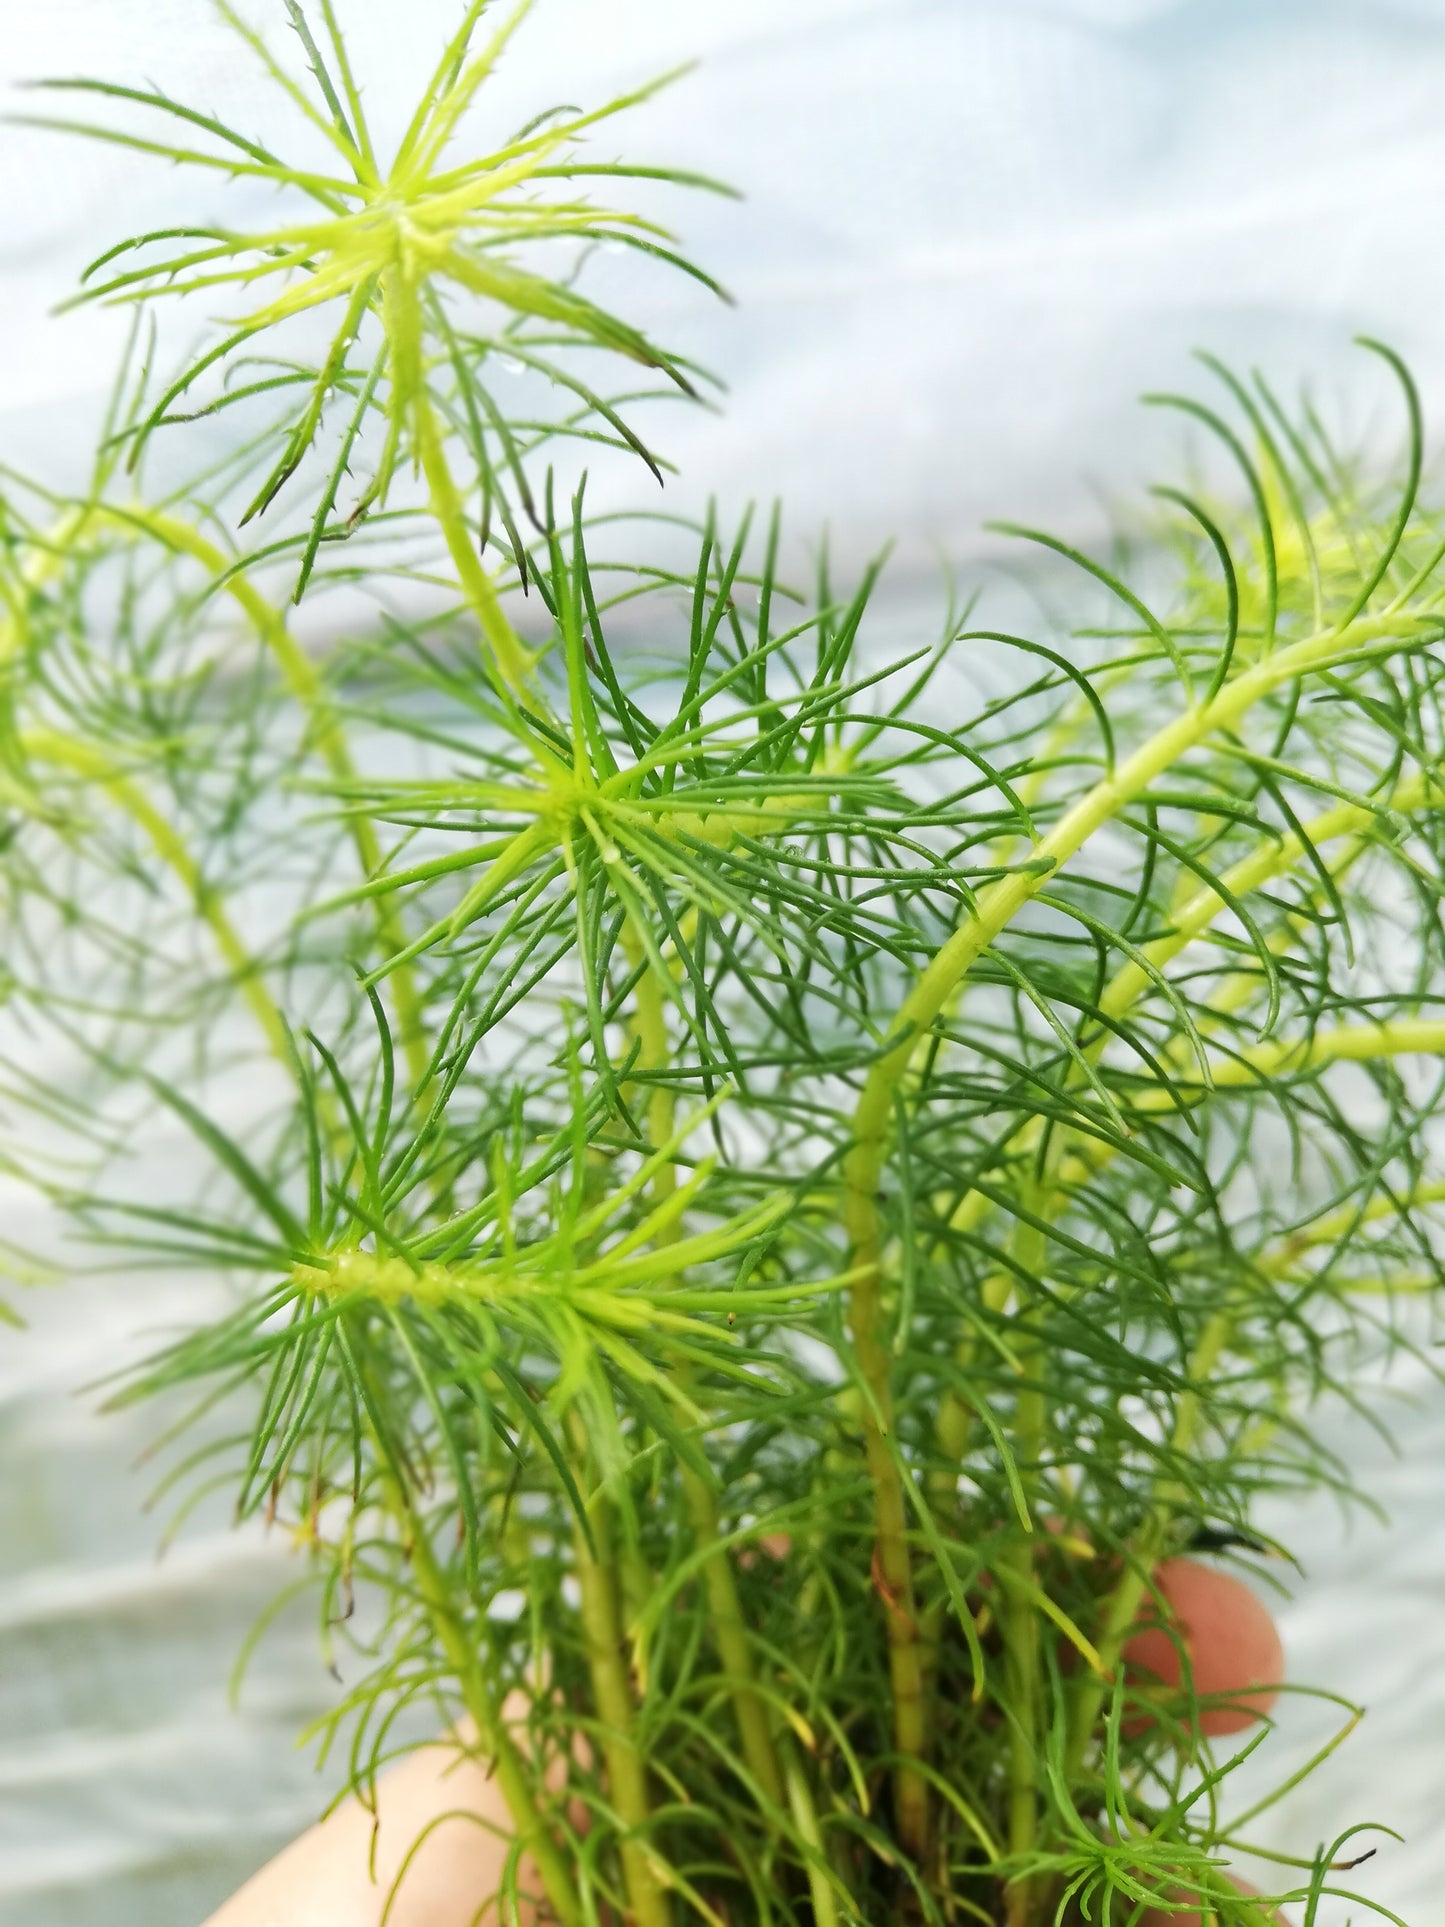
(1251, 873)
(1335, 1224)
(612, 1694)
(1019, 1624)
(725, 1615)
(996, 907)
(1278, 1057)
(532, 1833)
(511, 656)
(952, 1428)
(66, 753)
(1086, 1700)
(805, 1819)
(907, 1660)
(1018, 1615)
(1003, 899)
(304, 682)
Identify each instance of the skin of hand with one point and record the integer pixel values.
(328, 1877)
(1235, 1656)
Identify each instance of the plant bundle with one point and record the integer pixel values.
(783, 1174)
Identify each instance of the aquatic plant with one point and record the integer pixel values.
(782, 1174)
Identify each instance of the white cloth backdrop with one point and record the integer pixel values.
(974, 229)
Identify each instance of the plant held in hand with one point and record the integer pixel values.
(787, 1179)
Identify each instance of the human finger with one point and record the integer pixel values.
(440, 1824)
(1236, 1658)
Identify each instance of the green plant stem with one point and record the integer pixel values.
(1086, 1698)
(1018, 1615)
(729, 1630)
(626, 1769)
(805, 1818)
(1131, 981)
(725, 1615)
(306, 686)
(863, 1170)
(1353, 1043)
(1335, 1224)
(1003, 899)
(1357, 1043)
(1000, 902)
(402, 310)
(1019, 1624)
(67, 753)
(513, 660)
(1251, 873)
(893, 1564)
(907, 1660)
(533, 1835)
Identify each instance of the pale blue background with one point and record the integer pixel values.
(974, 231)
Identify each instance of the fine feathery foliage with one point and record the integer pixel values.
(767, 1177)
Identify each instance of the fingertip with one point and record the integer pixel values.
(1236, 1656)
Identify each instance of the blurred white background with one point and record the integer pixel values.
(972, 233)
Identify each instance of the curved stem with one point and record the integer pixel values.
(1130, 982)
(996, 906)
(1251, 873)
(1018, 1614)
(169, 846)
(304, 682)
(1001, 901)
